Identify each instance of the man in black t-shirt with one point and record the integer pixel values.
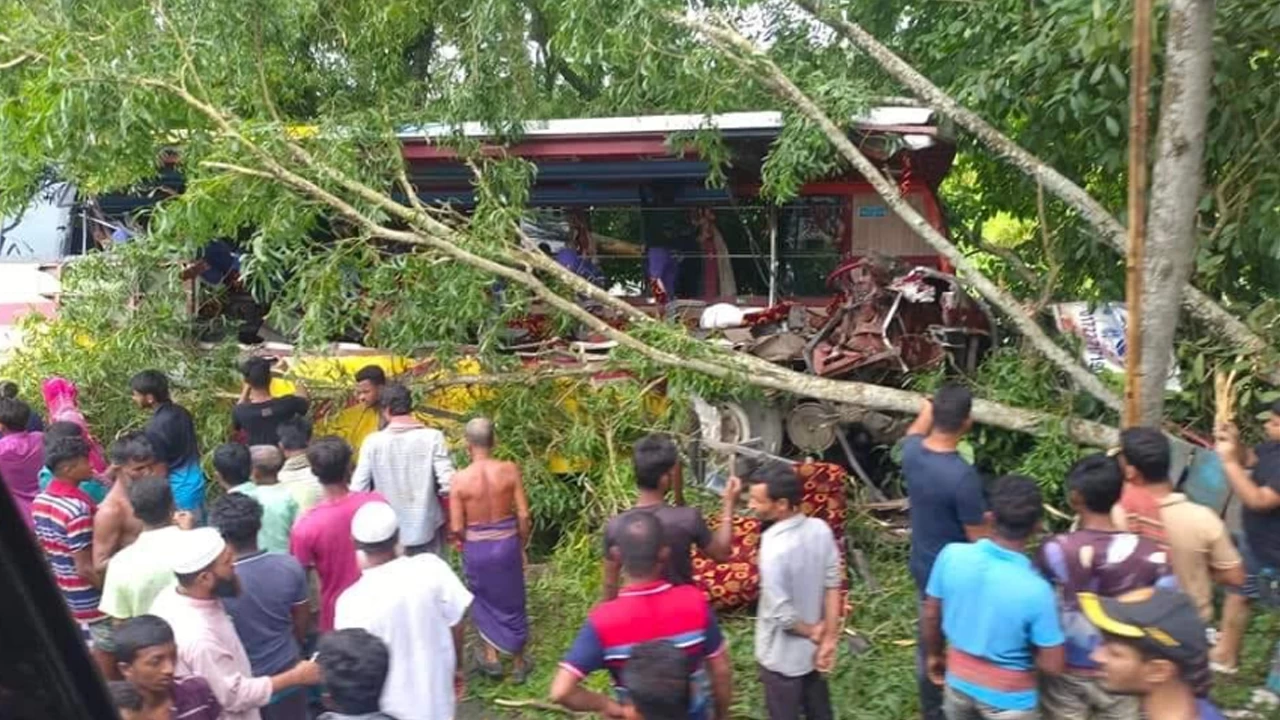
(657, 464)
(1259, 493)
(258, 413)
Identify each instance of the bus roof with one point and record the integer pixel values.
(902, 119)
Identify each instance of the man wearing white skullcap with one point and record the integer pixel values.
(206, 638)
(416, 606)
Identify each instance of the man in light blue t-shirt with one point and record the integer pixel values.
(996, 616)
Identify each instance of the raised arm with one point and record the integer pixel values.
(1261, 498)
(720, 548)
(923, 423)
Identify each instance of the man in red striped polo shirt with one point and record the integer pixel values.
(63, 516)
(647, 609)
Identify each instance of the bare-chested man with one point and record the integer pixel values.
(114, 525)
(489, 515)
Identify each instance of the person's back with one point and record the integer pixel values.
(945, 492)
(295, 436)
(279, 513)
(270, 611)
(259, 414)
(998, 615)
(413, 604)
(322, 539)
(140, 572)
(408, 463)
(271, 585)
(487, 489)
(21, 455)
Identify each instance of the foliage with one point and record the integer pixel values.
(1053, 75)
(108, 329)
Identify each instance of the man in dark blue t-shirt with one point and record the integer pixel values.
(947, 504)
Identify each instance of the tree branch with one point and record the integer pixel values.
(727, 366)
(746, 54)
(1199, 305)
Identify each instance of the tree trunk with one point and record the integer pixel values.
(752, 60)
(1177, 181)
(1199, 305)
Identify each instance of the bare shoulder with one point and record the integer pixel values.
(463, 477)
(508, 469)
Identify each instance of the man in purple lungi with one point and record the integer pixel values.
(489, 516)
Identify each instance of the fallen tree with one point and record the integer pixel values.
(246, 165)
(1110, 230)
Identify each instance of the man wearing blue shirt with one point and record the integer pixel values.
(947, 504)
(996, 616)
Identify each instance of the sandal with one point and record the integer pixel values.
(521, 674)
(493, 671)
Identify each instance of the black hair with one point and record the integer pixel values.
(139, 633)
(641, 542)
(951, 407)
(124, 696)
(151, 382)
(152, 500)
(14, 414)
(657, 679)
(257, 372)
(396, 399)
(780, 481)
(132, 447)
(64, 450)
(8, 389)
(1147, 450)
(1275, 408)
(61, 429)
(238, 517)
(232, 462)
(355, 665)
(654, 455)
(1098, 480)
(1017, 505)
(330, 459)
(372, 374)
(294, 433)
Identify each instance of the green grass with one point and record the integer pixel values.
(878, 684)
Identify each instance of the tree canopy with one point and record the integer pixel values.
(284, 113)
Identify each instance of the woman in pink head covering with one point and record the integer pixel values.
(60, 397)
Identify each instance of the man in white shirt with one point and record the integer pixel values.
(416, 605)
(408, 463)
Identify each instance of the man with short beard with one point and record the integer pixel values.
(207, 642)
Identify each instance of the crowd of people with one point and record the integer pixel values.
(320, 565)
(1107, 621)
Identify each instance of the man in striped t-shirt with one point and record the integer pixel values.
(63, 516)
